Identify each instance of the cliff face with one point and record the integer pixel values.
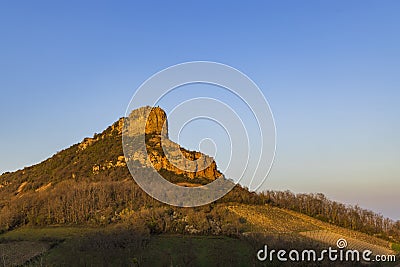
(164, 154)
(178, 160)
(154, 125)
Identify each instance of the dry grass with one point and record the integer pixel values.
(272, 220)
(343, 231)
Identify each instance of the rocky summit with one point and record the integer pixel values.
(162, 153)
(148, 120)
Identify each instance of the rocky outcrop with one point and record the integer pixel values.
(109, 164)
(164, 154)
(148, 120)
(160, 152)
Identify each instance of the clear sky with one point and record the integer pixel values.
(329, 69)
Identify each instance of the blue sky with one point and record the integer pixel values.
(329, 69)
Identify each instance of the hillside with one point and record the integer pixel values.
(101, 158)
(275, 221)
(128, 245)
(83, 199)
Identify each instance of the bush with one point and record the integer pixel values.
(396, 247)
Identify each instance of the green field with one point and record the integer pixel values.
(68, 246)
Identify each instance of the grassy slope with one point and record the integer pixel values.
(67, 246)
(272, 220)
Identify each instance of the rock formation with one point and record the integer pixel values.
(147, 120)
(162, 153)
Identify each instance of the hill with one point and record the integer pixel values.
(246, 229)
(82, 202)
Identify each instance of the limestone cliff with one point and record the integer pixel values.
(154, 125)
(192, 164)
(161, 153)
(164, 154)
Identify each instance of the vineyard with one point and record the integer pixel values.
(271, 221)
